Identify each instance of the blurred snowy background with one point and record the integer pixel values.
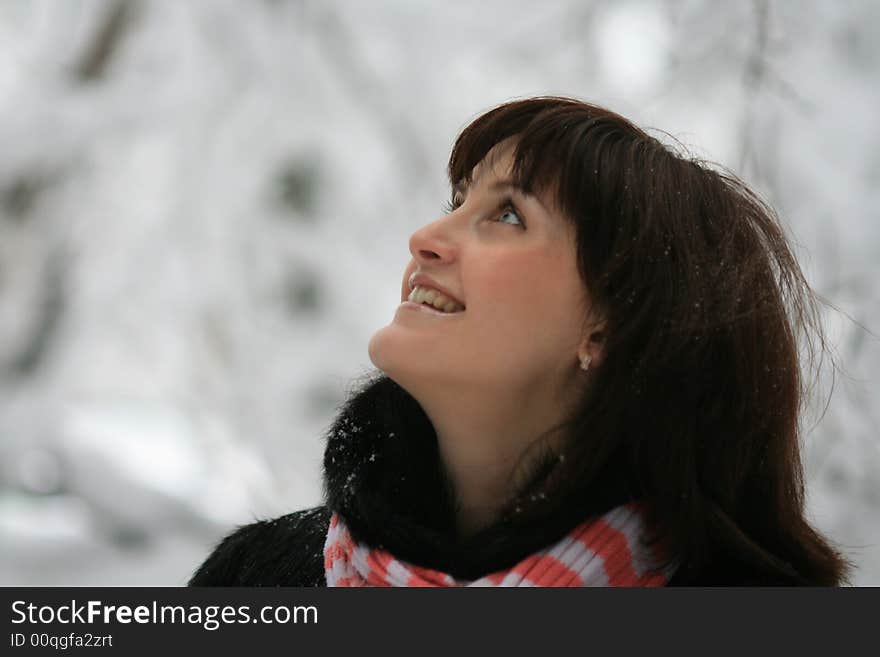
(204, 214)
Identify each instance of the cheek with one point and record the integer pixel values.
(532, 280)
(506, 270)
(533, 297)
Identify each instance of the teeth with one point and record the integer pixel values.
(434, 298)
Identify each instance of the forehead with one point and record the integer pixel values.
(497, 165)
(498, 162)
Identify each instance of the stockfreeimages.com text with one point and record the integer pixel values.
(210, 617)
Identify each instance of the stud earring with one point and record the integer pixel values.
(585, 362)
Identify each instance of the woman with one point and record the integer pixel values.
(592, 379)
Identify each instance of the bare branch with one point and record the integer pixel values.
(117, 18)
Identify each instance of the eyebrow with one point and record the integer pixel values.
(498, 185)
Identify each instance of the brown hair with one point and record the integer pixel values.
(697, 400)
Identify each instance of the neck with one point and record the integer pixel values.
(482, 444)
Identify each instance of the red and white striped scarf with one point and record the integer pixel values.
(603, 551)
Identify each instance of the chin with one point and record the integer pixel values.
(383, 350)
(388, 354)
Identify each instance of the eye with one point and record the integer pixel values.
(510, 214)
(506, 212)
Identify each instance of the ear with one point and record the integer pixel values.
(593, 345)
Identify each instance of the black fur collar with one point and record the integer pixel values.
(383, 474)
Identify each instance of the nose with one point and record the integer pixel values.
(433, 242)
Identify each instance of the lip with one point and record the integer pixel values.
(426, 281)
(421, 307)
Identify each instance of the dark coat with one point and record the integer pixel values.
(382, 473)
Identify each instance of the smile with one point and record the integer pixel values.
(424, 308)
(433, 300)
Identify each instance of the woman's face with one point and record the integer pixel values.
(509, 258)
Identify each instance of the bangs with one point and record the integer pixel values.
(560, 145)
